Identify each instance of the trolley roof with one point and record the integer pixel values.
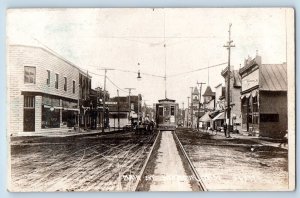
(166, 100)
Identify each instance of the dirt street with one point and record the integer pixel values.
(236, 164)
(89, 163)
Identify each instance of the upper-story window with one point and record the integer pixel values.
(66, 84)
(56, 81)
(48, 77)
(29, 74)
(73, 86)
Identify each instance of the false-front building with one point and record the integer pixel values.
(264, 98)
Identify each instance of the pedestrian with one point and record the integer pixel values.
(225, 129)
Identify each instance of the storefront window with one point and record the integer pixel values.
(69, 118)
(68, 113)
(255, 118)
(46, 100)
(244, 110)
(50, 112)
(67, 104)
(255, 104)
(50, 118)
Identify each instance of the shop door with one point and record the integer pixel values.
(29, 120)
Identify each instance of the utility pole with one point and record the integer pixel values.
(78, 104)
(198, 118)
(118, 109)
(129, 106)
(192, 108)
(187, 115)
(183, 113)
(104, 95)
(229, 45)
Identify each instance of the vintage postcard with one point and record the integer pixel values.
(151, 99)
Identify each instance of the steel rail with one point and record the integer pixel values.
(134, 188)
(199, 180)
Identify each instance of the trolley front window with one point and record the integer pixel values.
(172, 110)
(160, 111)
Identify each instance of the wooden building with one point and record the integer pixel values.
(264, 98)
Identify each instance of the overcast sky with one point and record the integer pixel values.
(122, 38)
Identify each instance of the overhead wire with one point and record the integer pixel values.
(116, 85)
(178, 74)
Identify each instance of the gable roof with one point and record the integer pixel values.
(273, 77)
(195, 92)
(208, 92)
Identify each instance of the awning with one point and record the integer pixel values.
(247, 95)
(48, 107)
(205, 118)
(254, 93)
(220, 116)
(133, 115)
(70, 109)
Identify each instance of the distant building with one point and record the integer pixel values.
(95, 112)
(208, 107)
(195, 106)
(45, 90)
(235, 94)
(264, 98)
(220, 97)
(209, 99)
(119, 113)
(219, 119)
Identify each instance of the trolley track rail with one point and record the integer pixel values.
(139, 177)
(191, 165)
(197, 178)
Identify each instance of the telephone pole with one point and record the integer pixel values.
(129, 106)
(104, 95)
(187, 115)
(118, 109)
(183, 114)
(229, 45)
(198, 118)
(192, 108)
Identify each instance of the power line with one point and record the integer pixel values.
(116, 85)
(96, 74)
(174, 75)
(134, 72)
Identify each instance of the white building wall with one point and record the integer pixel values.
(19, 56)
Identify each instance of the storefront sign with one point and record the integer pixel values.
(250, 80)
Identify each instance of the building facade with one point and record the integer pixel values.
(120, 114)
(219, 117)
(43, 90)
(264, 98)
(235, 94)
(209, 105)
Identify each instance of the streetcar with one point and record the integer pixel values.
(166, 114)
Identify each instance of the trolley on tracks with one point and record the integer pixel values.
(166, 113)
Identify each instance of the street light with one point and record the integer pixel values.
(139, 76)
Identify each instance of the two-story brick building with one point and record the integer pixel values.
(44, 90)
